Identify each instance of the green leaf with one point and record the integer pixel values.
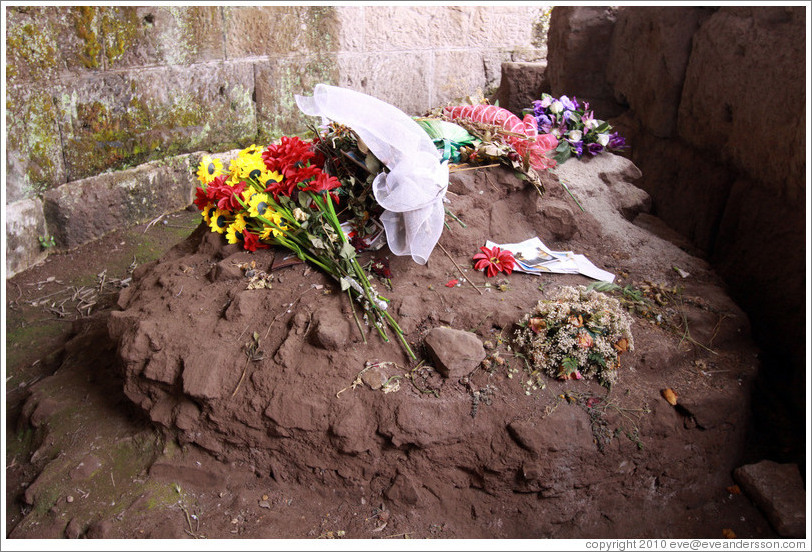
(347, 251)
(605, 287)
(563, 155)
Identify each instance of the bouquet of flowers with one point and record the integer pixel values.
(575, 126)
(280, 195)
(580, 334)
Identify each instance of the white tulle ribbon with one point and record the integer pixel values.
(412, 192)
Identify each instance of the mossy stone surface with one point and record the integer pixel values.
(33, 146)
(120, 120)
(154, 35)
(87, 209)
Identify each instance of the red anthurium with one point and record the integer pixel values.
(494, 260)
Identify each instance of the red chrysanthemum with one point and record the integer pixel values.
(285, 155)
(323, 183)
(494, 260)
(225, 196)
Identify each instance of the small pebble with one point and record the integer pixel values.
(69, 499)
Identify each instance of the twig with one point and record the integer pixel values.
(488, 178)
(154, 221)
(397, 535)
(458, 268)
(242, 377)
(455, 169)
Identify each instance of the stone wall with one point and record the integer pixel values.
(712, 101)
(134, 90)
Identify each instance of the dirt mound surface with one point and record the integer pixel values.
(286, 410)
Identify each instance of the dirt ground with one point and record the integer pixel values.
(92, 454)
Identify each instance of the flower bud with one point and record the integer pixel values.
(556, 107)
(603, 139)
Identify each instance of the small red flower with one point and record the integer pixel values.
(251, 241)
(494, 260)
(452, 283)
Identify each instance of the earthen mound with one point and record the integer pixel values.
(281, 378)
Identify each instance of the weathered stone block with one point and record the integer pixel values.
(691, 190)
(143, 36)
(398, 28)
(778, 491)
(521, 83)
(25, 223)
(279, 30)
(647, 60)
(398, 78)
(87, 209)
(44, 42)
(351, 21)
(746, 79)
(277, 82)
(121, 119)
(33, 148)
(578, 52)
(505, 26)
(758, 224)
(457, 73)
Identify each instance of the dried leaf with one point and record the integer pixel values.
(734, 489)
(622, 345)
(670, 396)
(728, 534)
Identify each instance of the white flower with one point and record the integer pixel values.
(575, 135)
(556, 107)
(591, 124)
(603, 139)
(555, 132)
(299, 215)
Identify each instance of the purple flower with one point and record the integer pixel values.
(566, 115)
(577, 147)
(567, 103)
(616, 141)
(594, 148)
(538, 109)
(544, 123)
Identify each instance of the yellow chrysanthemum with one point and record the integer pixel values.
(236, 227)
(209, 169)
(259, 205)
(219, 221)
(251, 167)
(207, 212)
(269, 177)
(266, 233)
(275, 218)
(251, 150)
(247, 194)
